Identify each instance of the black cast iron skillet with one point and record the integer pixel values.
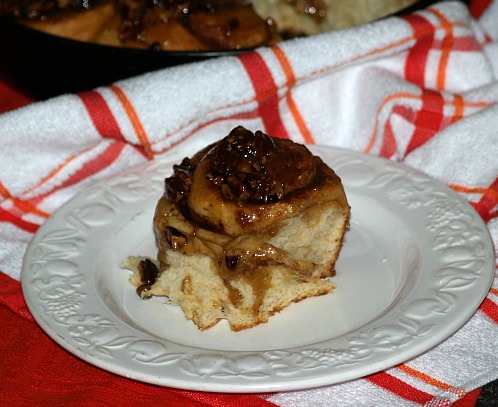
(44, 65)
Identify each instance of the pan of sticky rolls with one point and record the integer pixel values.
(56, 46)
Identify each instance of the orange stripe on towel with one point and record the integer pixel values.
(488, 202)
(108, 156)
(424, 377)
(4, 191)
(56, 170)
(446, 47)
(266, 93)
(291, 81)
(28, 207)
(134, 119)
(45, 179)
(23, 205)
(467, 190)
(459, 108)
(386, 101)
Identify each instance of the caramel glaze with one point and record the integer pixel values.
(229, 186)
(227, 201)
(176, 25)
(193, 24)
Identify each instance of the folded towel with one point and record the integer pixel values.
(421, 89)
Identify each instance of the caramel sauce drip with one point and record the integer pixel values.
(247, 258)
(242, 258)
(256, 277)
(148, 273)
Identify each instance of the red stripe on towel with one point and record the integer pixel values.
(400, 388)
(490, 309)
(101, 115)
(17, 221)
(487, 205)
(106, 158)
(423, 32)
(446, 47)
(128, 107)
(478, 7)
(103, 118)
(291, 103)
(428, 120)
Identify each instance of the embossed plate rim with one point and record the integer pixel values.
(426, 313)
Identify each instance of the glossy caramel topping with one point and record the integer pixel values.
(176, 25)
(248, 167)
(256, 168)
(215, 24)
(247, 180)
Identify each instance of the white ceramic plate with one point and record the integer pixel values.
(416, 263)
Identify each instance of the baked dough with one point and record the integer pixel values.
(245, 227)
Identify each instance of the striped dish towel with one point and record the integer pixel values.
(421, 89)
